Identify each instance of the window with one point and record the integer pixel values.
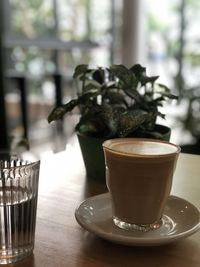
(47, 37)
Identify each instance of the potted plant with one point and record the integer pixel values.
(114, 102)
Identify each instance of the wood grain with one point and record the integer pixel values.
(61, 242)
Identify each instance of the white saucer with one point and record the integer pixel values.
(182, 220)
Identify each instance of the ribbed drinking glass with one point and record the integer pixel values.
(18, 206)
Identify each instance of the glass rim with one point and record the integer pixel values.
(140, 140)
(27, 164)
(17, 158)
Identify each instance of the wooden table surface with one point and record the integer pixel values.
(61, 242)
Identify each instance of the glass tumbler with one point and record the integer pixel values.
(18, 205)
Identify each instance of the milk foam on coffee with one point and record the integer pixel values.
(142, 147)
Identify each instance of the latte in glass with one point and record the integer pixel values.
(139, 174)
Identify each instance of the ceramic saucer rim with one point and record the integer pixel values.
(131, 240)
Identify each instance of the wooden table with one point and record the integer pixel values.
(61, 242)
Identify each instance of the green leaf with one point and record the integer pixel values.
(140, 73)
(129, 122)
(133, 94)
(87, 127)
(114, 98)
(138, 70)
(164, 87)
(83, 99)
(99, 75)
(170, 96)
(124, 75)
(148, 79)
(152, 134)
(165, 92)
(157, 100)
(58, 112)
(100, 122)
(107, 116)
(80, 69)
(111, 85)
(91, 87)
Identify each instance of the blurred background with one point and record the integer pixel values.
(42, 41)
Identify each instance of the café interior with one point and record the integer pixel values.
(38, 59)
(41, 43)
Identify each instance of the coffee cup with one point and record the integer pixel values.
(139, 175)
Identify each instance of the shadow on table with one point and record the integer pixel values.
(93, 187)
(27, 262)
